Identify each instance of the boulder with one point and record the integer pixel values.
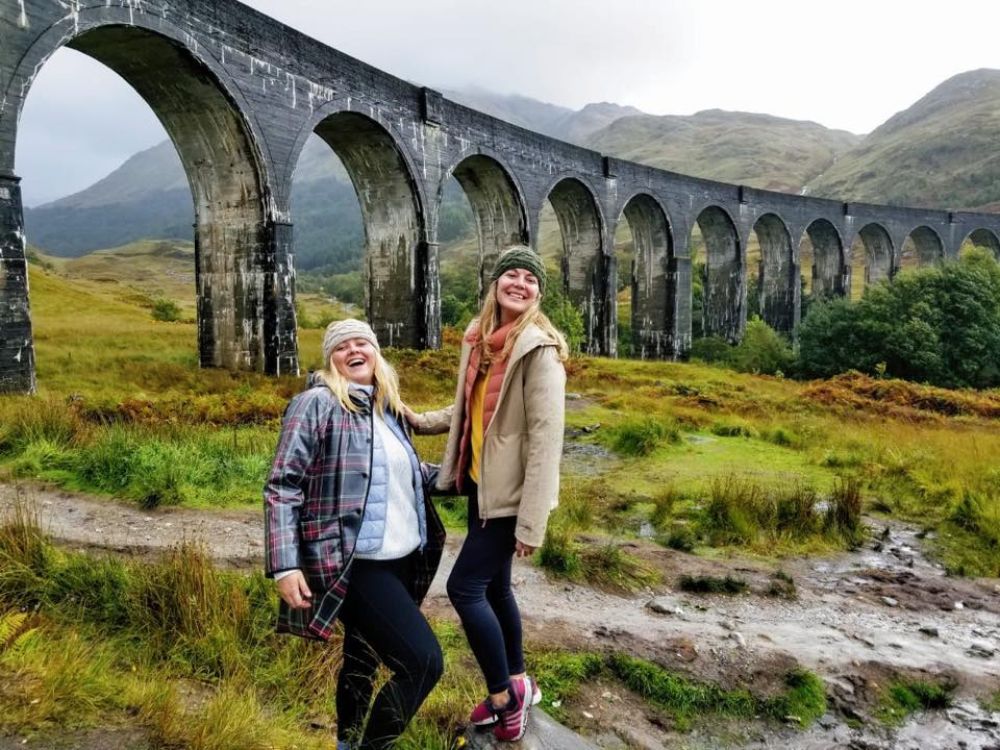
(544, 733)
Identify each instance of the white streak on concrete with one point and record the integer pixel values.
(22, 19)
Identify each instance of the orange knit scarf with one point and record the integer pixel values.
(498, 367)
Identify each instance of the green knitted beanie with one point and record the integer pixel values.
(520, 256)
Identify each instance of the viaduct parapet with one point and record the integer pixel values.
(239, 94)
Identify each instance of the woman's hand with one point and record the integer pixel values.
(294, 590)
(524, 550)
(411, 416)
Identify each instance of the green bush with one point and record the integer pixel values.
(711, 349)
(762, 351)
(939, 325)
(166, 310)
(564, 314)
(681, 538)
(642, 437)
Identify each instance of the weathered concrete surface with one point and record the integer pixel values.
(17, 351)
(239, 95)
(544, 733)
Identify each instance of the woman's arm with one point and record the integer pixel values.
(544, 408)
(429, 422)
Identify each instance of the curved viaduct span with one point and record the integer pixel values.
(239, 94)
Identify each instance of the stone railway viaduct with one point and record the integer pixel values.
(239, 94)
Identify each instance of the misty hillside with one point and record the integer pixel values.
(750, 149)
(573, 126)
(941, 152)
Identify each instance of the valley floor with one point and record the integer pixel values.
(859, 619)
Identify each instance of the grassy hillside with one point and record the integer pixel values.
(941, 152)
(139, 404)
(751, 149)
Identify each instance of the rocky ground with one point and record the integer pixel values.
(858, 620)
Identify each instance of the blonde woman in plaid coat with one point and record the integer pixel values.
(351, 535)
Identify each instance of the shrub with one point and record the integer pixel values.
(681, 538)
(608, 565)
(762, 351)
(663, 507)
(734, 428)
(564, 315)
(712, 349)
(166, 310)
(559, 552)
(642, 437)
(843, 515)
(938, 324)
(904, 697)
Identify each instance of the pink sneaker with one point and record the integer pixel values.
(513, 720)
(484, 715)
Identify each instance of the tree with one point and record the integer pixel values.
(939, 324)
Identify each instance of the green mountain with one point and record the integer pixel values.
(940, 152)
(750, 149)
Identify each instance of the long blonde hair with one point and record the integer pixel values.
(386, 394)
(489, 322)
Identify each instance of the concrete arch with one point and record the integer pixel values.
(395, 265)
(776, 280)
(828, 270)
(583, 263)
(345, 105)
(928, 248)
(875, 261)
(654, 291)
(243, 278)
(722, 307)
(986, 239)
(498, 204)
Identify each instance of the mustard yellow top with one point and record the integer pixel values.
(476, 415)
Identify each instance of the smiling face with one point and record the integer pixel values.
(355, 360)
(517, 290)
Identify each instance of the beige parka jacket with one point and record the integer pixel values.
(522, 444)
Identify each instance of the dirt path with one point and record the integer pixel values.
(857, 620)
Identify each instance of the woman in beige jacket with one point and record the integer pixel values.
(504, 445)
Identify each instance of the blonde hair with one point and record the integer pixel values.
(386, 394)
(489, 322)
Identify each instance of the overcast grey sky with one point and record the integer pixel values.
(849, 64)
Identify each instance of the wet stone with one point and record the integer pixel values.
(982, 650)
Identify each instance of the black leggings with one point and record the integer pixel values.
(479, 589)
(383, 624)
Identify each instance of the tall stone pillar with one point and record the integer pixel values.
(607, 339)
(679, 320)
(281, 352)
(17, 349)
(430, 278)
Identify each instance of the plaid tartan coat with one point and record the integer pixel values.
(314, 500)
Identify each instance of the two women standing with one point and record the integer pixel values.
(322, 503)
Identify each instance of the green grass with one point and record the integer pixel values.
(902, 698)
(124, 410)
(604, 564)
(803, 701)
